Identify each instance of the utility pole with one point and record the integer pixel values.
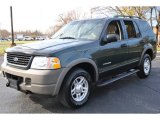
(12, 44)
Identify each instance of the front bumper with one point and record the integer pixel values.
(41, 81)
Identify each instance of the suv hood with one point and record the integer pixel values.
(47, 45)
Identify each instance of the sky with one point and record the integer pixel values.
(42, 14)
(36, 14)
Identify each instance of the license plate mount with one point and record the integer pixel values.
(14, 83)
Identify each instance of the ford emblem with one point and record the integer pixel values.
(15, 59)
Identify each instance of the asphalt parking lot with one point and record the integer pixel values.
(130, 95)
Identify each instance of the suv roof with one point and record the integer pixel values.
(131, 17)
(117, 17)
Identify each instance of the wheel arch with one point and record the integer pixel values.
(149, 50)
(84, 63)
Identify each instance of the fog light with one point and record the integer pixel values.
(28, 81)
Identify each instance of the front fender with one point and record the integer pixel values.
(69, 67)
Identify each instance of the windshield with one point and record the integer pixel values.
(85, 29)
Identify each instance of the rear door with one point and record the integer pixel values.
(135, 43)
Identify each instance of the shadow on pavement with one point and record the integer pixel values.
(100, 101)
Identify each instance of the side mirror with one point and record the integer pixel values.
(110, 38)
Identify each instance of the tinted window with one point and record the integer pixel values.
(131, 32)
(138, 34)
(145, 28)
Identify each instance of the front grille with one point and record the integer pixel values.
(18, 59)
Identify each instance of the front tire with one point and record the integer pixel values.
(76, 88)
(145, 67)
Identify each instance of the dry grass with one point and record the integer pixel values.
(6, 44)
(2, 49)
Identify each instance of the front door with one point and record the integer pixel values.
(114, 55)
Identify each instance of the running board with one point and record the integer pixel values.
(118, 77)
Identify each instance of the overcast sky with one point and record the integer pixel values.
(41, 14)
(36, 14)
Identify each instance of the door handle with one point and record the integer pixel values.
(123, 45)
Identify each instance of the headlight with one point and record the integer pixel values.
(46, 63)
(5, 58)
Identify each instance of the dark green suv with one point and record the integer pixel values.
(82, 55)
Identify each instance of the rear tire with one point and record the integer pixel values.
(145, 67)
(76, 88)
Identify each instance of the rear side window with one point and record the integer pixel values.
(131, 31)
(144, 26)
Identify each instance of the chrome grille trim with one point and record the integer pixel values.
(23, 59)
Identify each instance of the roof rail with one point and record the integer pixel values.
(123, 16)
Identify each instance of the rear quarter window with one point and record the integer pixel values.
(145, 28)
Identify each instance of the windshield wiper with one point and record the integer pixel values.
(67, 38)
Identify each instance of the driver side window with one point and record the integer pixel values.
(114, 27)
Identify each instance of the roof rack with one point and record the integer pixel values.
(123, 16)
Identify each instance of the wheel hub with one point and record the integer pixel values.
(146, 66)
(78, 88)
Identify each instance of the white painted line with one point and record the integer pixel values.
(158, 56)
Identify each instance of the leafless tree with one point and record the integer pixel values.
(148, 13)
(4, 33)
(123, 11)
(65, 18)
